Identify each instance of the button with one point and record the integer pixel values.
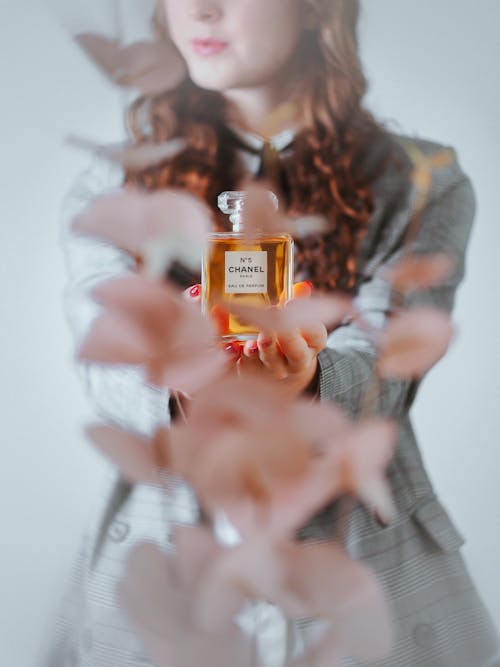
(424, 635)
(118, 531)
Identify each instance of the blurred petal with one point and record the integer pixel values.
(114, 339)
(303, 225)
(135, 293)
(150, 67)
(259, 213)
(263, 460)
(413, 341)
(365, 631)
(246, 572)
(323, 581)
(305, 581)
(169, 222)
(160, 608)
(197, 548)
(135, 456)
(330, 310)
(131, 156)
(190, 370)
(323, 427)
(419, 272)
(246, 400)
(156, 307)
(149, 322)
(217, 604)
(322, 655)
(292, 505)
(318, 422)
(367, 452)
(311, 590)
(149, 591)
(214, 607)
(297, 313)
(120, 218)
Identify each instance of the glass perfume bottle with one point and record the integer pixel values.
(252, 268)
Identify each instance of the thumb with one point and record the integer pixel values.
(193, 293)
(302, 290)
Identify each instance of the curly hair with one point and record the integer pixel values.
(336, 155)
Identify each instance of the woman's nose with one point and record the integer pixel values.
(205, 10)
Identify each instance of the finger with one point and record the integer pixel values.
(250, 349)
(193, 293)
(316, 336)
(271, 356)
(220, 317)
(296, 350)
(249, 363)
(303, 289)
(234, 350)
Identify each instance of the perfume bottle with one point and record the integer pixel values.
(245, 268)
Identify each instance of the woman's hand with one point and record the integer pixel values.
(290, 357)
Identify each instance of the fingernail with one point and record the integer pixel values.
(252, 347)
(195, 291)
(233, 348)
(266, 342)
(303, 289)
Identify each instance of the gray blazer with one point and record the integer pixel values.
(438, 617)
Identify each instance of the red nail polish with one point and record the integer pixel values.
(234, 349)
(253, 347)
(308, 282)
(195, 291)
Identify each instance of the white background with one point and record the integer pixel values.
(434, 68)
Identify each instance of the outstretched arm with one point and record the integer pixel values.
(347, 364)
(120, 394)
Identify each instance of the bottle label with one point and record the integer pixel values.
(246, 272)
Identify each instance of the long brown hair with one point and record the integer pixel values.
(327, 172)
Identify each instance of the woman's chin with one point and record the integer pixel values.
(213, 80)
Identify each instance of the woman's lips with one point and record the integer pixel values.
(208, 47)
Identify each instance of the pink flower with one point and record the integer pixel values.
(417, 272)
(296, 314)
(304, 580)
(139, 459)
(131, 156)
(147, 322)
(185, 608)
(413, 341)
(158, 594)
(160, 227)
(271, 464)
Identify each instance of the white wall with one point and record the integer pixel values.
(432, 67)
(48, 474)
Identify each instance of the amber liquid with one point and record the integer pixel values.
(278, 272)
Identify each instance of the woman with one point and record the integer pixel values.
(333, 160)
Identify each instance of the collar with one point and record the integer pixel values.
(251, 149)
(251, 146)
